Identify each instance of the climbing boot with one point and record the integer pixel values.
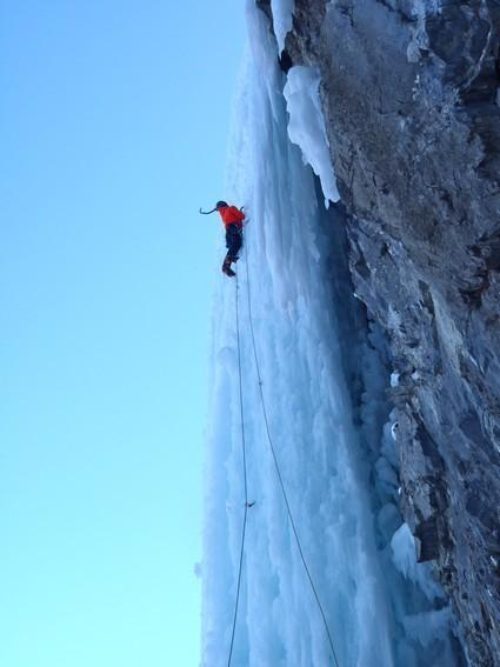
(226, 268)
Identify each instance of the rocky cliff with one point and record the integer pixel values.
(409, 93)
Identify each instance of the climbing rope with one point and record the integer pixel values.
(245, 485)
(278, 472)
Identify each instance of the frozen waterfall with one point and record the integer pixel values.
(323, 382)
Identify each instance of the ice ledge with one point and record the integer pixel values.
(306, 126)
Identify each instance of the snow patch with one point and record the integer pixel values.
(394, 379)
(306, 126)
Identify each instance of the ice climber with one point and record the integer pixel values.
(232, 218)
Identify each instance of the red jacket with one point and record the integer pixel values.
(231, 216)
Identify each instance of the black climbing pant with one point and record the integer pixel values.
(234, 240)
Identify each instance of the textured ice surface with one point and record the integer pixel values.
(283, 17)
(306, 126)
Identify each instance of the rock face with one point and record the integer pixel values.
(411, 107)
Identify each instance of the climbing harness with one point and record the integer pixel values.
(278, 472)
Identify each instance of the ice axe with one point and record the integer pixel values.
(213, 210)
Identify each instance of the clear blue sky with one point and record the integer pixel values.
(113, 123)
